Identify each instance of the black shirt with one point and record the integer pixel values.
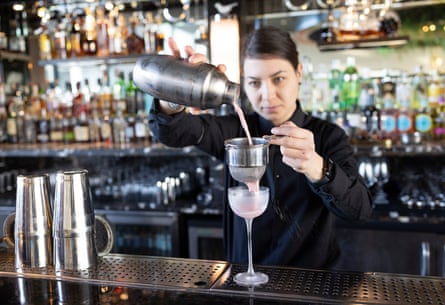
(298, 226)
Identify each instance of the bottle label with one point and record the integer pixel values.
(404, 123)
(81, 133)
(423, 123)
(389, 123)
(105, 131)
(139, 130)
(11, 127)
(56, 136)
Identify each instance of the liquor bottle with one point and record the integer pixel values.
(75, 35)
(141, 132)
(119, 93)
(439, 123)
(103, 39)
(388, 114)
(160, 36)
(335, 81)
(66, 100)
(350, 86)
(45, 42)
(424, 122)
(56, 129)
(435, 90)
(68, 122)
(94, 125)
(134, 42)
(119, 126)
(43, 127)
(130, 129)
(35, 102)
(131, 93)
(86, 91)
(405, 117)
(105, 96)
(17, 37)
(88, 37)
(78, 101)
(118, 34)
(150, 34)
(106, 131)
(29, 128)
(81, 128)
(60, 40)
(419, 87)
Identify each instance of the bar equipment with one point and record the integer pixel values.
(247, 164)
(74, 231)
(178, 81)
(33, 220)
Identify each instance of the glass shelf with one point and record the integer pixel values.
(87, 149)
(362, 44)
(93, 60)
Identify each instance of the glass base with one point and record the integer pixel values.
(248, 279)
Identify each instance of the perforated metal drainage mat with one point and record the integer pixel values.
(215, 277)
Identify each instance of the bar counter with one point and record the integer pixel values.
(131, 279)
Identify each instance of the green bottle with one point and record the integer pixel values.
(350, 86)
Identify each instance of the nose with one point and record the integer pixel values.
(267, 91)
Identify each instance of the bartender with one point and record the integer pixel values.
(312, 172)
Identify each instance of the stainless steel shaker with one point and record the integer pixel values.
(171, 79)
(74, 222)
(33, 220)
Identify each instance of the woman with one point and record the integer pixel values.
(312, 173)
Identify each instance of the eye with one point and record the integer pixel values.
(278, 79)
(254, 83)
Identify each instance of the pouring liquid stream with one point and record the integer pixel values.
(253, 186)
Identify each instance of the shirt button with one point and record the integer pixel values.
(277, 176)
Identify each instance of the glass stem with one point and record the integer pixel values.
(249, 245)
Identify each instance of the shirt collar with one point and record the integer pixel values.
(297, 118)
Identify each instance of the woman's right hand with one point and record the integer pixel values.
(191, 55)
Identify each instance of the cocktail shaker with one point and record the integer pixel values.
(174, 80)
(33, 221)
(74, 223)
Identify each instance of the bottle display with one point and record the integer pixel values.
(174, 80)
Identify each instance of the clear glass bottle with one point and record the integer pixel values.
(103, 39)
(88, 40)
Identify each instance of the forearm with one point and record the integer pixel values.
(347, 196)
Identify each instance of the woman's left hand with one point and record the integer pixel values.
(298, 150)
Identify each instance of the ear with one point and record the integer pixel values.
(299, 72)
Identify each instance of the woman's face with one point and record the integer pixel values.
(272, 86)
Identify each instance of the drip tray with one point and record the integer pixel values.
(339, 287)
(133, 270)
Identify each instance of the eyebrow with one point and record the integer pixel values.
(272, 75)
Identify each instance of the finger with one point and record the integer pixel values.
(222, 68)
(173, 47)
(197, 58)
(189, 51)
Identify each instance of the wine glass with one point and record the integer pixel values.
(248, 205)
(247, 160)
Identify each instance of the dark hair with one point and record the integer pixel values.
(270, 42)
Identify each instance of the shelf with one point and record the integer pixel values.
(14, 56)
(363, 44)
(90, 150)
(93, 60)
